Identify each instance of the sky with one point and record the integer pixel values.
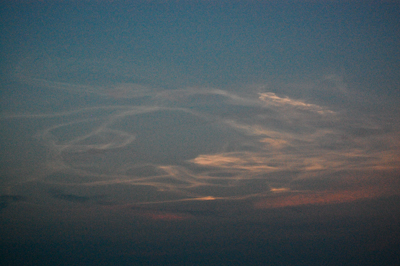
(199, 132)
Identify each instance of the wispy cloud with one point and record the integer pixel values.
(271, 99)
(262, 149)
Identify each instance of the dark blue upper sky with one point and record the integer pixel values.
(215, 42)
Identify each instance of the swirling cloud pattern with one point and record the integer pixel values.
(201, 144)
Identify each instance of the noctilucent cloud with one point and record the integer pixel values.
(200, 133)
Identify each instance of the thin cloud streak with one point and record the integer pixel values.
(271, 98)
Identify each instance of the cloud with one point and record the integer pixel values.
(59, 194)
(71, 197)
(5, 200)
(360, 191)
(163, 216)
(271, 99)
(253, 145)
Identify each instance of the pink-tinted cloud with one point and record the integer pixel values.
(378, 188)
(165, 216)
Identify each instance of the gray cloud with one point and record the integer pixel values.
(6, 200)
(59, 194)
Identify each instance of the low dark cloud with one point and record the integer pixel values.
(180, 209)
(6, 200)
(59, 194)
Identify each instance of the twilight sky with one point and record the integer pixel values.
(200, 132)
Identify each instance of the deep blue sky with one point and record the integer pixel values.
(215, 42)
(199, 133)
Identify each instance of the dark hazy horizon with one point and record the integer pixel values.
(200, 133)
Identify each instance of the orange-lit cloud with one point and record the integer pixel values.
(385, 187)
